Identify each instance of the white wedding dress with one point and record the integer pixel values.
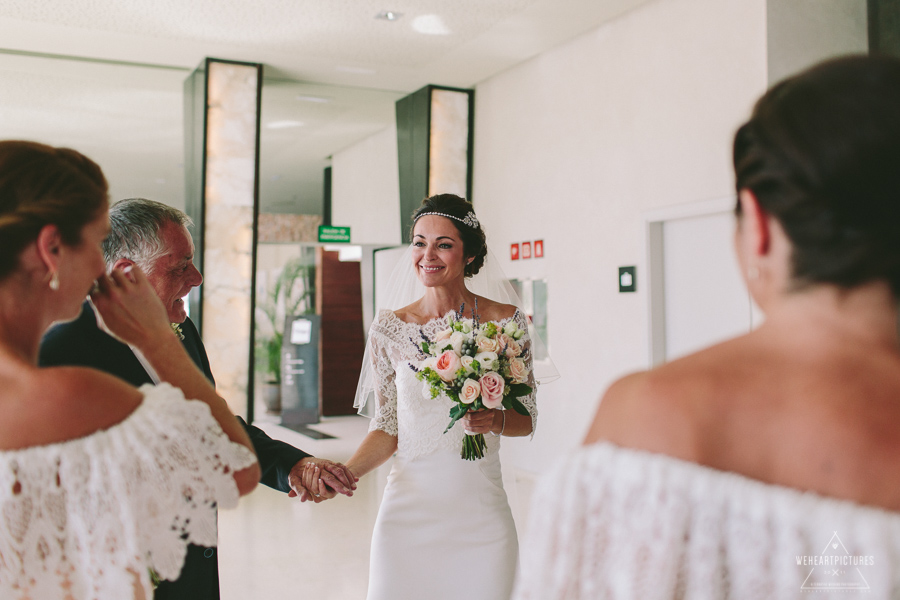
(444, 529)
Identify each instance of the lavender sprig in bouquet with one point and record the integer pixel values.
(476, 365)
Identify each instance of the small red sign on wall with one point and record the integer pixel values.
(539, 248)
(526, 249)
(514, 252)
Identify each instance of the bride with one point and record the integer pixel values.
(444, 529)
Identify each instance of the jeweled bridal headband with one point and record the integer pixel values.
(471, 220)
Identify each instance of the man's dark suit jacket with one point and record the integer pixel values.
(82, 343)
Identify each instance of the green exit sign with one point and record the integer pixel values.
(334, 234)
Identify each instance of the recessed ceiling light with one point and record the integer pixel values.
(388, 15)
(315, 99)
(430, 25)
(283, 124)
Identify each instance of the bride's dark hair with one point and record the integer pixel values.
(472, 236)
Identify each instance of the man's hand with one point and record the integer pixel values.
(320, 479)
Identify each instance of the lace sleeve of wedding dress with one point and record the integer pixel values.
(86, 518)
(528, 401)
(612, 522)
(384, 385)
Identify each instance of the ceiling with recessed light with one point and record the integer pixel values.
(105, 76)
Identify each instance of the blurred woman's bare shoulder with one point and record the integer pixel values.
(661, 410)
(81, 400)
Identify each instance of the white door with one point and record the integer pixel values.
(700, 298)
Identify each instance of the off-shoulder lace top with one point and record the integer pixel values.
(83, 518)
(610, 522)
(420, 428)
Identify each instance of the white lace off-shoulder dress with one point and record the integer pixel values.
(444, 529)
(612, 522)
(87, 518)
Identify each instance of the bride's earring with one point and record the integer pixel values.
(54, 281)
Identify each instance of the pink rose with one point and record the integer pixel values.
(470, 391)
(486, 344)
(447, 365)
(513, 349)
(518, 370)
(492, 385)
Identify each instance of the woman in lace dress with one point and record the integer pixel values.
(444, 529)
(99, 481)
(765, 466)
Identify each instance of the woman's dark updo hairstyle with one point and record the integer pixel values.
(821, 153)
(41, 185)
(473, 239)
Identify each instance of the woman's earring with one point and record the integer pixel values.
(54, 281)
(753, 273)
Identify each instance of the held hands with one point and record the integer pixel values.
(130, 309)
(319, 479)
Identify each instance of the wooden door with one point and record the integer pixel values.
(342, 341)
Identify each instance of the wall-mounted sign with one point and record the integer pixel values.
(526, 249)
(331, 234)
(513, 252)
(539, 248)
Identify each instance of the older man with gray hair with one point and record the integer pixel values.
(155, 237)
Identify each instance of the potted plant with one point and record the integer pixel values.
(292, 293)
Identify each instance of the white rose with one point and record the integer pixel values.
(487, 360)
(466, 362)
(486, 344)
(510, 328)
(440, 336)
(456, 341)
(470, 391)
(428, 363)
(465, 326)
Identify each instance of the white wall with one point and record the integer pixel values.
(573, 145)
(365, 189)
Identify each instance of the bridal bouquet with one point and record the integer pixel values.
(476, 365)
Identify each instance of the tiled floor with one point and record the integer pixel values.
(274, 547)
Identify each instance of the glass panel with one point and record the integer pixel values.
(302, 126)
(533, 293)
(285, 287)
